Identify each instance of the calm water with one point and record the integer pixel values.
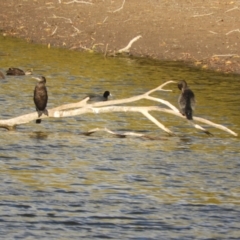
(58, 184)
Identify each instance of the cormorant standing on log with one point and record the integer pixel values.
(186, 100)
(17, 72)
(40, 97)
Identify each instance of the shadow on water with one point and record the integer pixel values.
(57, 183)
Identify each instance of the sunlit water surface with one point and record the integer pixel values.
(58, 184)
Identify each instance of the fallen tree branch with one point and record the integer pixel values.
(83, 107)
(126, 49)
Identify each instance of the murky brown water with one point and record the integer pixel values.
(58, 184)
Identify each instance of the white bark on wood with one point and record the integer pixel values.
(83, 107)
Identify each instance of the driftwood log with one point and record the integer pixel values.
(83, 107)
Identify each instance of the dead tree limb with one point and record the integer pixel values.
(83, 107)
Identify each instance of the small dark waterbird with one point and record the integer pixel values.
(40, 97)
(18, 72)
(186, 100)
(98, 98)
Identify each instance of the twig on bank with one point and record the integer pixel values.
(55, 30)
(68, 19)
(105, 19)
(225, 55)
(202, 15)
(231, 9)
(120, 7)
(77, 30)
(212, 32)
(75, 1)
(235, 30)
(126, 49)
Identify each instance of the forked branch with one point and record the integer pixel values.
(83, 107)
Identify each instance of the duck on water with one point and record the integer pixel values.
(40, 97)
(18, 72)
(186, 100)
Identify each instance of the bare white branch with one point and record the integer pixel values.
(155, 121)
(126, 49)
(83, 107)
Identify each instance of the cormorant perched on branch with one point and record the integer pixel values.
(40, 97)
(98, 98)
(186, 100)
(18, 72)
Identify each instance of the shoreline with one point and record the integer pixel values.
(204, 35)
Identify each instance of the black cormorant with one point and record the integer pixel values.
(186, 100)
(99, 98)
(40, 97)
(18, 72)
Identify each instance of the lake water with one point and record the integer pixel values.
(58, 184)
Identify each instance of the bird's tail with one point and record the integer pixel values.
(188, 114)
(39, 115)
(188, 110)
(45, 111)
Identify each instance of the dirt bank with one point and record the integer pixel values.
(203, 33)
